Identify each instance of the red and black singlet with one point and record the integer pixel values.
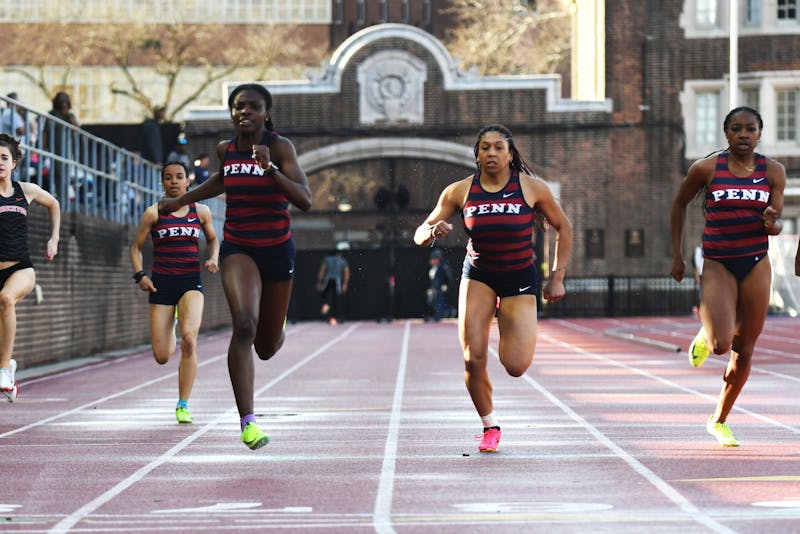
(735, 212)
(176, 244)
(257, 210)
(499, 226)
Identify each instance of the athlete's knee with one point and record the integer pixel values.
(188, 345)
(516, 369)
(245, 327)
(268, 348)
(6, 302)
(719, 346)
(475, 362)
(161, 356)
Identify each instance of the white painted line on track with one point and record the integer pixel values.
(72, 519)
(382, 521)
(103, 399)
(660, 484)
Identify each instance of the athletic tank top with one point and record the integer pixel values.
(735, 212)
(257, 211)
(14, 225)
(499, 226)
(176, 244)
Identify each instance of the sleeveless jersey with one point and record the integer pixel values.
(734, 212)
(499, 226)
(14, 225)
(176, 244)
(257, 211)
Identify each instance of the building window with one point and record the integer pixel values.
(707, 15)
(634, 243)
(595, 243)
(362, 12)
(707, 114)
(406, 14)
(751, 98)
(786, 111)
(753, 15)
(338, 7)
(426, 12)
(384, 11)
(787, 9)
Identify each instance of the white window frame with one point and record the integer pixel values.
(767, 22)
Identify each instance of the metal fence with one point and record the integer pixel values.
(87, 174)
(620, 296)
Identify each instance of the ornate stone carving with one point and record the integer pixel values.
(391, 84)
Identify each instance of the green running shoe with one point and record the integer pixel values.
(722, 432)
(698, 350)
(183, 415)
(253, 437)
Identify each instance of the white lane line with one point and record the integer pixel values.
(382, 520)
(72, 519)
(104, 399)
(660, 484)
(675, 385)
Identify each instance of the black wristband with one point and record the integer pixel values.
(138, 276)
(271, 169)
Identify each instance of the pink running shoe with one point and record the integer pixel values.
(490, 441)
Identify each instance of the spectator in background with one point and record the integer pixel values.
(200, 170)
(179, 152)
(332, 280)
(152, 143)
(57, 138)
(439, 280)
(11, 120)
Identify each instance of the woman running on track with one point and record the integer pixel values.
(176, 284)
(743, 193)
(260, 177)
(17, 276)
(499, 205)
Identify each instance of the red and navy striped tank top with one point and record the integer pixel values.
(14, 225)
(734, 212)
(176, 244)
(499, 226)
(257, 211)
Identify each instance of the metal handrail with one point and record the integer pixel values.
(88, 174)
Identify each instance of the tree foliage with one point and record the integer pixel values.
(498, 37)
(168, 65)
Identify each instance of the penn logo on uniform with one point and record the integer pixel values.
(493, 207)
(740, 194)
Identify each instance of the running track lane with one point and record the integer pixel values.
(372, 431)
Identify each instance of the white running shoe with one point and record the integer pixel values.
(7, 383)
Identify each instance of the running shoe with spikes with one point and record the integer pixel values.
(253, 437)
(722, 432)
(8, 385)
(183, 415)
(698, 350)
(491, 440)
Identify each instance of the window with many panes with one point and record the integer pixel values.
(707, 117)
(750, 97)
(787, 9)
(786, 114)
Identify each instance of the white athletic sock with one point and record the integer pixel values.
(489, 420)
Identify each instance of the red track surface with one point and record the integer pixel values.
(372, 431)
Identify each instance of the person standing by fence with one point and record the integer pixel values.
(260, 176)
(743, 200)
(332, 281)
(17, 275)
(175, 287)
(500, 205)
